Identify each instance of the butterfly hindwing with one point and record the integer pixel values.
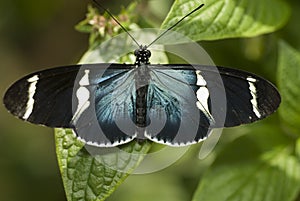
(175, 118)
(105, 106)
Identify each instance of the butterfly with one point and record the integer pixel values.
(110, 104)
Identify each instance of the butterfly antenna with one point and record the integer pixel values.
(174, 25)
(112, 16)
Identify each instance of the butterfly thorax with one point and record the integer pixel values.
(142, 55)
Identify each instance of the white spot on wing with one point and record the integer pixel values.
(83, 95)
(251, 79)
(33, 79)
(200, 80)
(85, 79)
(31, 91)
(202, 95)
(253, 101)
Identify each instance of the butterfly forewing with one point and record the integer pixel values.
(249, 97)
(44, 97)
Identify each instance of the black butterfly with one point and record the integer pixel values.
(112, 104)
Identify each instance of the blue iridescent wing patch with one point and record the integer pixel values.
(173, 112)
(105, 116)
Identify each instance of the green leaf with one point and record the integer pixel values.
(87, 177)
(298, 148)
(270, 177)
(220, 19)
(289, 82)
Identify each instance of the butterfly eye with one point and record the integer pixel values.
(148, 53)
(136, 52)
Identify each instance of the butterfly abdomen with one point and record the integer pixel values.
(141, 83)
(141, 104)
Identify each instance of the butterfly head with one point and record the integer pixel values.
(142, 55)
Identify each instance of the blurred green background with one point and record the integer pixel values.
(40, 34)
